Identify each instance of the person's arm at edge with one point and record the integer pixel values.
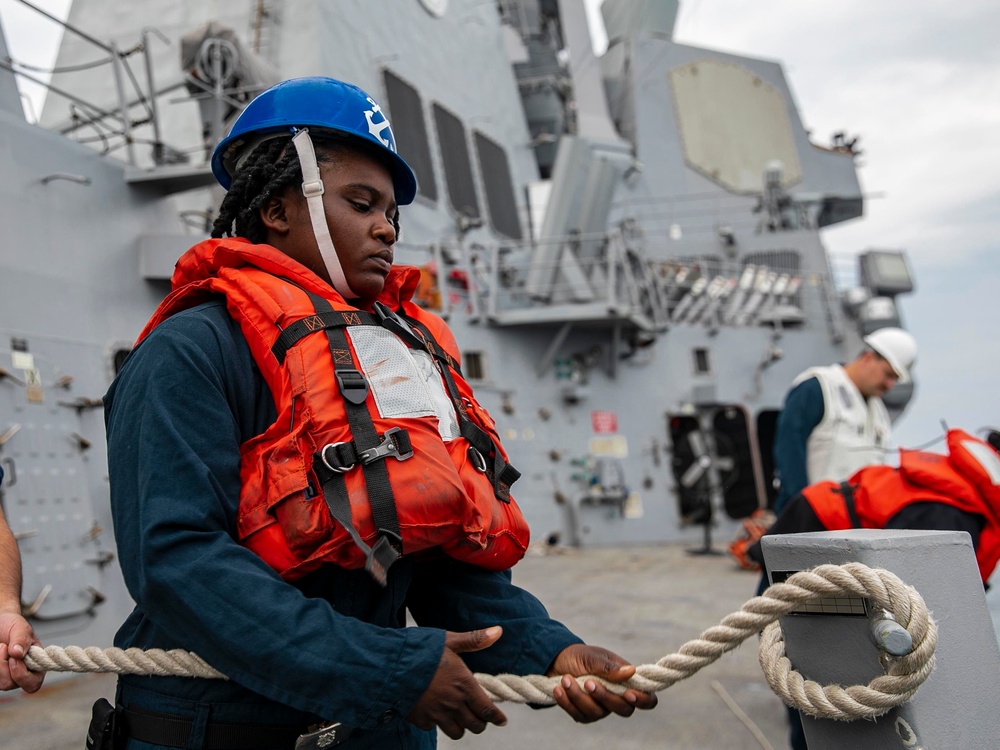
(16, 633)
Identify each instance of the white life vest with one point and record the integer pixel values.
(853, 433)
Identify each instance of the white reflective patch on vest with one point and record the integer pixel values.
(403, 381)
(987, 458)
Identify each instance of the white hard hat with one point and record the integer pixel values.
(897, 346)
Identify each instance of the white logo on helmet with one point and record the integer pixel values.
(376, 128)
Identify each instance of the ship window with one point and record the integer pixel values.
(472, 366)
(702, 365)
(457, 167)
(411, 137)
(499, 188)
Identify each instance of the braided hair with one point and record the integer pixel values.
(270, 168)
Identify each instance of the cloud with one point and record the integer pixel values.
(959, 363)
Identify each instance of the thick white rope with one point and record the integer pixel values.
(154, 661)
(903, 674)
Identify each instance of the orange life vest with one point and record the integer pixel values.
(452, 494)
(968, 478)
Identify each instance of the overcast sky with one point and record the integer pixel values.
(919, 82)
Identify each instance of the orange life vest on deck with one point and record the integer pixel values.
(968, 478)
(351, 424)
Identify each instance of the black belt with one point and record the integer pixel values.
(173, 731)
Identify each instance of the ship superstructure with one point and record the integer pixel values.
(627, 248)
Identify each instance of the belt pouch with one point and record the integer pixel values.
(102, 732)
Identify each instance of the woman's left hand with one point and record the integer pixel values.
(593, 701)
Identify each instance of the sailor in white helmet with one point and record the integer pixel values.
(833, 421)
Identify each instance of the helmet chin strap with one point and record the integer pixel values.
(312, 189)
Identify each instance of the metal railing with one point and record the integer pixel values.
(620, 282)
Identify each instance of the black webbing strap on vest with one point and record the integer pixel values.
(501, 474)
(320, 321)
(369, 450)
(379, 559)
(847, 492)
(403, 327)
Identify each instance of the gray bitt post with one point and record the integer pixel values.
(958, 706)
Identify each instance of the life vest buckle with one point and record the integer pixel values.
(353, 385)
(384, 313)
(393, 323)
(395, 443)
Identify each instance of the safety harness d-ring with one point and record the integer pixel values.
(335, 466)
(477, 459)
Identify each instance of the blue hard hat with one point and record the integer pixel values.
(317, 103)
